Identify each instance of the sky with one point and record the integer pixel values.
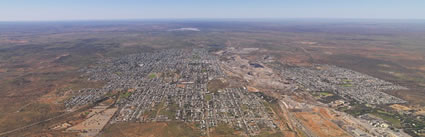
(57, 10)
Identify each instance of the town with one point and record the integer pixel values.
(188, 85)
(344, 82)
(172, 85)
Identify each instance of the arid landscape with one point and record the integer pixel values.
(213, 78)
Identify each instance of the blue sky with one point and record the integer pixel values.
(35, 10)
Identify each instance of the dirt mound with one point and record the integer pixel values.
(400, 107)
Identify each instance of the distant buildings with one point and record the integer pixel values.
(344, 82)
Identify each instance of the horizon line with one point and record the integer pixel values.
(210, 19)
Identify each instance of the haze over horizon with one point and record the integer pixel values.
(53, 10)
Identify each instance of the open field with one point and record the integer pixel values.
(160, 129)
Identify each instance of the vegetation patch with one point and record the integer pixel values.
(208, 97)
(393, 119)
(244, 107)
(196, 57)
(126, 95)
(347, 80)
(359, 109)
(346, 85)
(152, 75)
(204, 70)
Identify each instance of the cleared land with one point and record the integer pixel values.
(157, 129)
